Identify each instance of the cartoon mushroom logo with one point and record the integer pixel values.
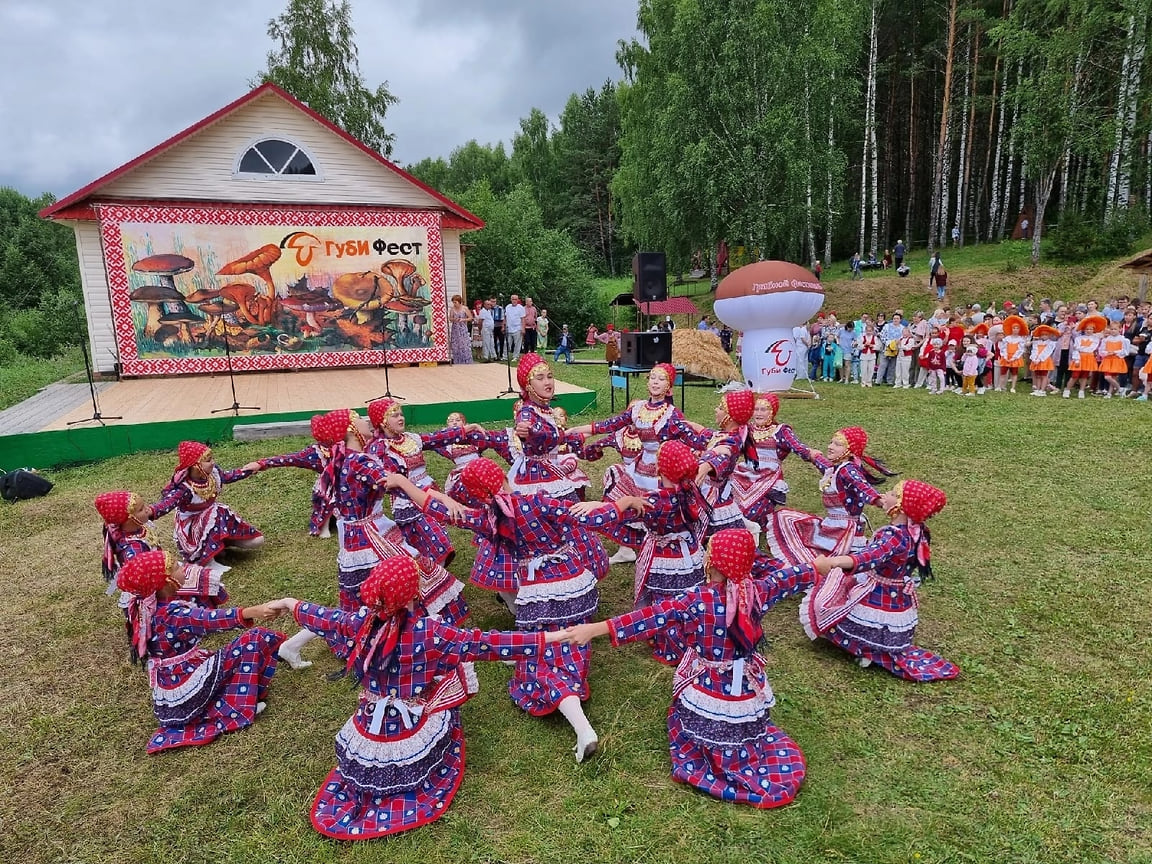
(766, 300)
(258, 263)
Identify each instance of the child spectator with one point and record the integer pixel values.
(970, 368)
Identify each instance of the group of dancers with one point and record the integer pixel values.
(685, 503)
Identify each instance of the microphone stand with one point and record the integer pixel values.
(511, 391)
(235, 407)
(388, 394)
(96, 415)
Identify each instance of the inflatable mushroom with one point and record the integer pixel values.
(257, 263)
(765, 301)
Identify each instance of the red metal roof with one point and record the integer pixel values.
(60, 210)
(671, 306)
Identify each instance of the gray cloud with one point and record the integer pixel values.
(89, 86)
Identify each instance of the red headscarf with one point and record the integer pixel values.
(189, 453)
(773, 401)
(677, 463)
(389, 588)
(331, 428)
(484, 481)
(740, 404)
(856, 440)
(732, 552)
(380, 409)
(524, 368)
(142, 576)
(920, 501)
(670, 372)
(115, 507)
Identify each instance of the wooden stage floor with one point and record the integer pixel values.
(157, 400)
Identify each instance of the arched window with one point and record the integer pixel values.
(276, 157)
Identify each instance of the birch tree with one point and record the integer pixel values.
(937, 179)
(1120, 166)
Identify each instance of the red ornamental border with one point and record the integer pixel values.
(113, 215)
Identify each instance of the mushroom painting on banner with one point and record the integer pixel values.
(264, 237)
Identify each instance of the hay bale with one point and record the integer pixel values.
(700, 353)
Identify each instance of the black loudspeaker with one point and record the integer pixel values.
(649, 277)
(646, 349)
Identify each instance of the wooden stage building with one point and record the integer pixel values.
(158, 413)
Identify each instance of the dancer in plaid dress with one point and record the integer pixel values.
(759, 486)
(473, 447)
(203, 526)
(314, 457)
(847, 487)
(727, 447)
(720, 731)
(638, 431)
(366, 534)
(403, 452)
(671, 559)
(538, 553)
(400, 756)
(128, 533)
(197, 694)
(536, 462)
(866, 602)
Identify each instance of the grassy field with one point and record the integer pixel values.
(1039, 752)
(23, 378)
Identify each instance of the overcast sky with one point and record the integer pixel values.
(90, 84)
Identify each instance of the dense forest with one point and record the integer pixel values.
(795, 129)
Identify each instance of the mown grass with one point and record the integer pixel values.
(1039, 752)
(25, 375)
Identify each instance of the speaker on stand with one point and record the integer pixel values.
(649, 277)
(646, 348)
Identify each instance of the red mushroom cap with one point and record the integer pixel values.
(163, 264)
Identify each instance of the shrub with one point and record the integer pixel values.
(1073, 240)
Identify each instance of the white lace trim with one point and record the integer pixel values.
(172, 697)
(706, 705)
(454, 590)
(559, 590)
(896, 621)
(395, 751)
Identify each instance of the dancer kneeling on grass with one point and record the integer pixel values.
(540, 556)
(720, 731)
(726, 449)
(759, 486)
(866, 602)
(197, 694)
(671, 559)
(202, 525)
(128, 533)
(403, 452)
(314, 457)
(400, 757)
(366, 534)
(846, 487)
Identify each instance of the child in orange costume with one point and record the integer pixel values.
(1113, 357)
(1012, 351)
(1082, 352)
(1042, 358)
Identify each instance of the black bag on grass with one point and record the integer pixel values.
(22, 483)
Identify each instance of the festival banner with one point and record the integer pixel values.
(273, 287)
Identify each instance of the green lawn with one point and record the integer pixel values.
(1039, 752)
(26, 375)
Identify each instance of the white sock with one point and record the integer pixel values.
(260, 706)
(289, 650)
(623, 555)
(586, 740)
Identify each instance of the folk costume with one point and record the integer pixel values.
(759, 486)
(720, 732)
(1114, 349)
(846, 487)
(536, 461)
(867, 603)
(314, 457)
(532, 546)
(400, 756)
(197, 694)
(671, 556)
(126, 536)
(202, 525)
(404, 453)
(367, 535)
(727, 447)
(473, 445)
